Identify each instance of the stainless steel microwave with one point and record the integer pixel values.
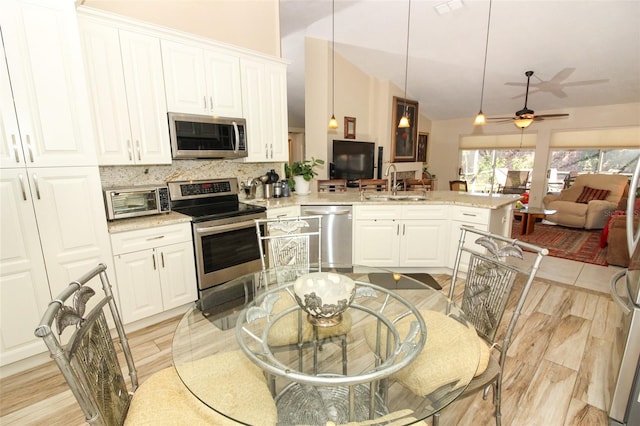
(203, 136)
(134, 201)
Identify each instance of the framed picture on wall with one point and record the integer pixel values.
(404, 141)
(423, 144)
(349, 127)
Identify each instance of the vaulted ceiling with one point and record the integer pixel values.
(583, 53)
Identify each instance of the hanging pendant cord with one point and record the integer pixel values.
(406, 64)
(486, 49)
(333, 57)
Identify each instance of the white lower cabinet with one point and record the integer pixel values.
(497, 221)
(400, 235)
(155, 270)
(53, 230)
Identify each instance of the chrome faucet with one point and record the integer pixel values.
(394, 182)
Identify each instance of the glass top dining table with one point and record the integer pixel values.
(318, 374)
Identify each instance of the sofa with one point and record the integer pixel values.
(587, 203)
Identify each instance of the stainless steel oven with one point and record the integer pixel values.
(224, 238)
(226, 249)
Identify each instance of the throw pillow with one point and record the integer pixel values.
(589, 194)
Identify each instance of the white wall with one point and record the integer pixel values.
(357, 94)
(252, 24)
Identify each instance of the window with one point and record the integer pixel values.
(566, 164)
(485, 170)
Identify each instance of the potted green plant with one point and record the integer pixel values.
(300, 173)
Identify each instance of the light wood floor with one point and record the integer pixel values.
(558, 372)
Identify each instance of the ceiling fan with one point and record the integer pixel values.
(525, 116)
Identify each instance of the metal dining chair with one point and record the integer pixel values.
(89, 363)
(456, 355)
(292, 251)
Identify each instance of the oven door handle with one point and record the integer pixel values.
(223, 228)
(614, 291)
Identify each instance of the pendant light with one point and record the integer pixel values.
(333, 123)
(480, 118)
(404, 120)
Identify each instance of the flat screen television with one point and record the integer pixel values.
(353, 160)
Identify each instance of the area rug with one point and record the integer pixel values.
(567, 243)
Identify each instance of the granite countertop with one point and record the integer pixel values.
(123, 225)
(352, 197)
(488, 201)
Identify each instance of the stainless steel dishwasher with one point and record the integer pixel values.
(337, 237)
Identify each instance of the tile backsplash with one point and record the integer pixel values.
(185, 170)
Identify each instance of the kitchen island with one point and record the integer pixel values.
(417, 234)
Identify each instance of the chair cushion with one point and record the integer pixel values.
(448, 356)
(164, 400)
(589, 194)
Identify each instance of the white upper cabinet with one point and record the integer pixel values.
(126, 83)
(48, 87)
(201, 80)
(264, 96)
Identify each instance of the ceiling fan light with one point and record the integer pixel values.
(480, 120)
(523, 122)
(333, 123)
(404, 122)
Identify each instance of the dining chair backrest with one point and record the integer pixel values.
(89, 361)
(292, 244)
(373, 184)
(458, 185)
(418, 184)
(332, 185)
(490, 276)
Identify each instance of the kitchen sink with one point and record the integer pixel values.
(383, 196)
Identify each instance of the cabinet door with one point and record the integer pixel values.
(222, 76)
(377, 242)
(276, 112)
(42, 49)
(71, 220)
(101, 46)
(424, 243)
(184, 78)
(138, 285)
(11, 149)
(177, 274)
(144, 83)
(254, 102)
(264, 97)
(24, 290)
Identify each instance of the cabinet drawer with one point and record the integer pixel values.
(377, 212)
(274, 213)
(142, 239)
(425, 212)
(471, 215)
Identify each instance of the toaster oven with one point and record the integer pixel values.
(134, 201)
